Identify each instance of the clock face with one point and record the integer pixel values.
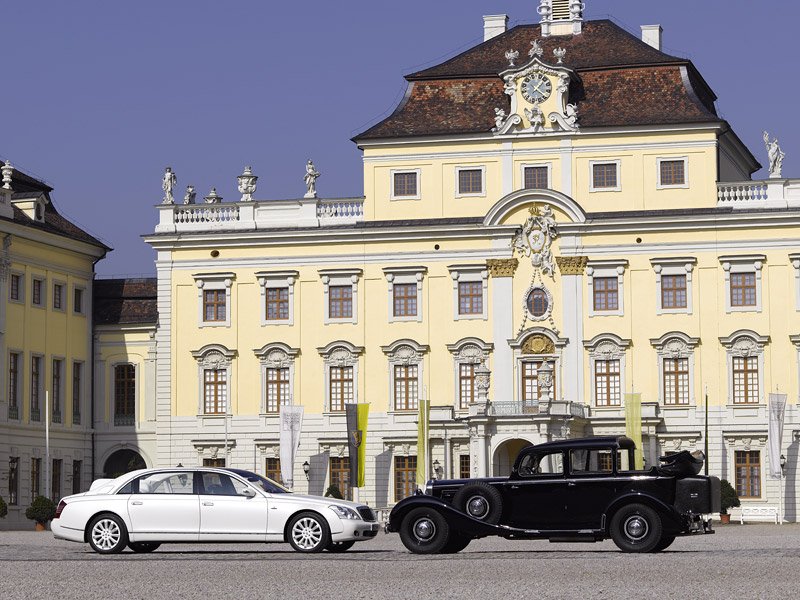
(536, 88)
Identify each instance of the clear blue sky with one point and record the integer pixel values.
(99, 96)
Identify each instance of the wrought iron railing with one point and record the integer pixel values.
(56, 417)
(514, 409)
(36, 414)
(124, 420)
(13, 413)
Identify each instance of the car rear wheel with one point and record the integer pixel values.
(309, 532)
(636, 528)
(424, 531)
(664, 543)
(143, 547)
(480, 501)
(107, 534)
(337, 547)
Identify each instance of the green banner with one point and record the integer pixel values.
(633, 425)
(423, 429)
(363, 418)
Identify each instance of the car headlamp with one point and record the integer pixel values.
(344, 512)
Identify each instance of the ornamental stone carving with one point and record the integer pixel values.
(538, 344)
(247, 184)
(277, 356)
(405, 352)
(502, 267)
(572, 265)
(168, 182)
(7, 170)
(214, 356)
(745, 347)
(536, 238)
(775, 155)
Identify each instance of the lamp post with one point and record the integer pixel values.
(437, 469)
(306, 469)
(780, 481)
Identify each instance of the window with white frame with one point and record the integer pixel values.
(745, 358)
(405, 184)
(277, 376)
(468, 354)
(405, 293)
(536, 176)
(607, 356)
(604, 176)
(606, 279)
(673, 172)
(340, 291)
(58, 296)
(37, 385)
(405, 373)
(16, 287)
(470, 286)
(78, 300)
(747, 465)
(57, 390)
(277, 297)
(341, 374)
(214, 298)
(743, 290)
(38, 292)
(470, 181)
(673, 284)
(124, 395)
(675, 355)
(14, 391)
(214, 363)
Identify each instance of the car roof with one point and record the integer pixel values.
(619, 441)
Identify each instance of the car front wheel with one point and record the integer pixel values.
(424, 531)
(309, 532)
(337, 547)
(636, 528)
(143, 547)
(107, 534)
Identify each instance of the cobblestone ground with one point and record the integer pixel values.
(750, 561)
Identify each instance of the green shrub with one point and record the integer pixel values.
(3, 508)
(41, 510)
(333, 491)
(729, 499)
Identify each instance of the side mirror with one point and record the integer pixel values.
(248, 493)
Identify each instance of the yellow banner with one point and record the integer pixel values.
(363, 418)
(423, 426)
(633, 425)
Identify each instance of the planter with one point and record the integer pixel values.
(41, 527)
(725, 519)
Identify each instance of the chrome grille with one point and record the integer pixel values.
(366, 513)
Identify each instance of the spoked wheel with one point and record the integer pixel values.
(107, 534)
(636, 528)
(309, 532)
(664, 543)
(143, 547)
(424, 531)
(337, 547)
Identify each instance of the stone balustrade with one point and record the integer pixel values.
(771, 193)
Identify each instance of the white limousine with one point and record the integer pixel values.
(143, 509)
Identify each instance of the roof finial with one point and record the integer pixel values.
(7, 170)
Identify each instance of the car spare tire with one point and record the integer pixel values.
(480, 501)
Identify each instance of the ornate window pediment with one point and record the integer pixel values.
(470, 350)
(607, 346)
(675, 344)
(405, 352)
(214, 356)
(340, 354)
(745, 343)
(277, 355)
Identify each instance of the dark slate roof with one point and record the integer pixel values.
(125, 301)
(622, 82)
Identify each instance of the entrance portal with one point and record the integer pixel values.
(121, 462)
(505, 455)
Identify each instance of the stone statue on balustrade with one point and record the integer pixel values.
(311, 180)
(776, 156)
(190, 195)
(169, 181)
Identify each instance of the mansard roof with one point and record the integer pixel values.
(130, 301)
(625, 82)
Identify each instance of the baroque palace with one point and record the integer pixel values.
(555, 222)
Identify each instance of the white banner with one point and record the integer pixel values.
(777, 409)
(291, 424)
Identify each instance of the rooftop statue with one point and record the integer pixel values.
(311, 180)
(776, 156)
(169, 181)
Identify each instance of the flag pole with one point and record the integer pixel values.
(47, 478)
(705, 434)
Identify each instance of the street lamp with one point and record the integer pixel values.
(783, 462)
(437, 469)
(306, 468)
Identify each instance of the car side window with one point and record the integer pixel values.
(541, 465)
(165, 483)
(217, 484)
(591, 461)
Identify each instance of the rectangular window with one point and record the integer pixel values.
(673, 172)
(470, 181)
(15, 287)
(36, 292)
(606, 293)
(36, 386)
(530, 383)
(77, 301)
(36, 478)
(278, 304)
(470, 298)
(405, 185)
(272, 469)
(214, 306)
(405, 476)
(340, 302)
(745, 380)
(13, 384)
(604, 176)
(405, 299)
(748, 473)
(57, 389)
(215, 393)
(464, 467)
(676, 381)
(77, 386)
(277, 389)
(607, 384)
(536, 178)
(216, 463)
(58, 296)
(124, 395)
(743, 289)
(406, 387)
(673, 291)
(13, 481)
(77, 469)
(340, 475)
(55, 480)
(341, 387)
(466, 385)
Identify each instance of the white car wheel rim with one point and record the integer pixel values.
(106, 534)
(307, 533)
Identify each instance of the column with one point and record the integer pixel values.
(501, 272)
(572, 268)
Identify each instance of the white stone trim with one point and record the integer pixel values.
(745, 263)
(745, 343)
(405, 275)
(482, 169)
(685, 184)
(214, 357)
(747, 441)
(340, 277)
(405, 352)
(467, 351)
(393, 172)
(795, 258)
(605, 269)
(340, 354)
(675, 344)
(607, 346)
(616, 162)
(547, 165)
(674, 266)
(795, 339)
(276, 280)
(276, 355)
(465, 274)
(210, 282)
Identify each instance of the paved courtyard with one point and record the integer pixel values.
(753, 561)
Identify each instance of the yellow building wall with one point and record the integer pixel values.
(119, 345)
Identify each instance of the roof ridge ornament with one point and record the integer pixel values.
(560, 53)
(511, 56)
(536, 49)
(7, 171)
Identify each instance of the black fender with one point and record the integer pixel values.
(671, 519)
(458, 521)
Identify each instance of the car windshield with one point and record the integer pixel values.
(266, 484)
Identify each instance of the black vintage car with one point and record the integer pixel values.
(578, 490)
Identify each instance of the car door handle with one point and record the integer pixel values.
(571, 484)
(137, 502)
(208, 504)
(514, 487)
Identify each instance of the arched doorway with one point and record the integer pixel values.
(123, 461)
(505, 455)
